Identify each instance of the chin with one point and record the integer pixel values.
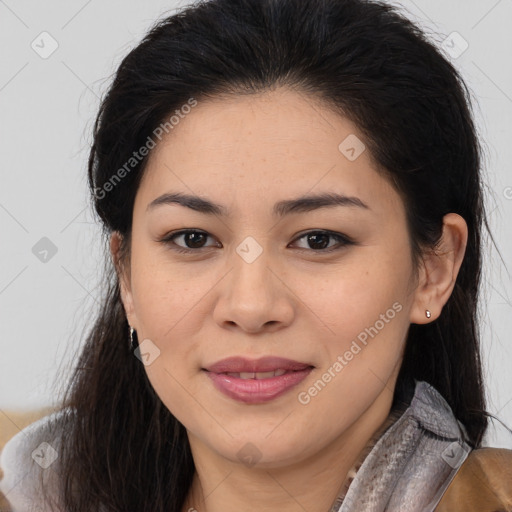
(256, 451)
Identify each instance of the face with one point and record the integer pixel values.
(329, 285)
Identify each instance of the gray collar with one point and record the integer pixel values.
(413, 462)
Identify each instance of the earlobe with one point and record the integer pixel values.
(123, 277)
(440, 270)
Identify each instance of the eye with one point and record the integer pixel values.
(319, 240)
(194, 240)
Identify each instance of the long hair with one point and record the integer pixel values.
(122, 449)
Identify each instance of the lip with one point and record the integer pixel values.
(264, 364)
(255, 391)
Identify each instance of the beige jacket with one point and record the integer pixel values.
(482, 484)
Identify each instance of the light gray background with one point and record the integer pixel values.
(47, 107)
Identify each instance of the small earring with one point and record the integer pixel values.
(133, 339)
(427, 313)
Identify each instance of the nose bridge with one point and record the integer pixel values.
(251, 261)
(253, 296)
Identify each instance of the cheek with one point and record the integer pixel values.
(367, 333)
(171, 302)
(366, 308)
(368, 321)
(355, 295)
(166, 295)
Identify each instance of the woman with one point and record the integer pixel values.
(291, 195)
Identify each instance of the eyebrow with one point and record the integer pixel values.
(301, 204)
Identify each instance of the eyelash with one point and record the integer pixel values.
(342, 239)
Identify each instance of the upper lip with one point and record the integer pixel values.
(264, 364)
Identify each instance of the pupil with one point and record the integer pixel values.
(314, 240)
(190, 238)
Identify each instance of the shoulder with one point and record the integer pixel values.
(29, 460)
(483, 483)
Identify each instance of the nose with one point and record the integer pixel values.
(254, 296)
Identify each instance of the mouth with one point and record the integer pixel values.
(239, 378)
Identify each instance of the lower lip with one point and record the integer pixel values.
(256, 391)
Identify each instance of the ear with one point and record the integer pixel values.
(123, 275)
(439, 271)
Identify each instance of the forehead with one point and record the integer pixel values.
(278, 144)
(264, 125)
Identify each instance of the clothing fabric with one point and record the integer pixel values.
(483, 483)
(30, 460)
(413, 462)
(407, 466)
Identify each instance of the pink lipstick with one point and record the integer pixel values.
(259, 380)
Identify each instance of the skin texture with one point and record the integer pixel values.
(293, 300)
